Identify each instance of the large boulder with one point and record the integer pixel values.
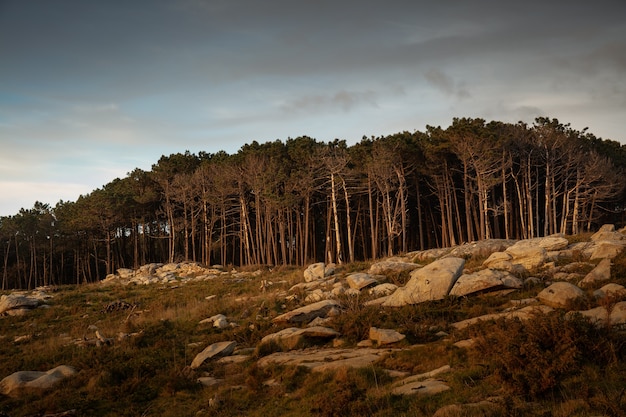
(600, 315)
(432, 282)
(309, 312)
(216, 350)
(13, 384)
(602, 272)
(483, 281)
(560, 294)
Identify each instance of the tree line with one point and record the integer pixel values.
(303, 200)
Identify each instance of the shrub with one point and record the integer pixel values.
(532, 358)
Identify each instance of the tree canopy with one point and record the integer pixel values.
(302, 200)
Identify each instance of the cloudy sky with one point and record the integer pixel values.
(90, 90)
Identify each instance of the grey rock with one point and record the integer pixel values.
(361, 280)
(602, 272)
(292, 337)
(23, 380)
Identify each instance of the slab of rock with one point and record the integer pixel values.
(13, 384)
(610, 290)
(560, 294)
(292, 337)
(309, 312)
(607, 233)
(424, 388)
(318, 271)
(602, 272)
(432, 282)
(483, 281)
(522, 314)
(216, 350)
(320, 360)
(385, 336)
(361, 280)
(607, 249)
(17, 302)
(392, 266)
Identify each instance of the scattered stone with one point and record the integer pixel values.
(209, 381)
(385, 336)
(465, 343)
(610, 290)
(320, 360)
(522, 314)
(318, 271)
(383, 289)
(600, 315)
(560, 294)
(309, 312)
(17, 304)
(292, 338)
(432, 282)
(602, 272)
(215, 350)
(392, 266)
(424, 388)
(361, 280)
(13, 384)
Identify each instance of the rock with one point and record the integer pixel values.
(600, 315)
(607, 249)
(432, 282)
(361, 280)
(423, 388)
(560, 294)
(309, 312)
(17, 302)
(602, 272)
(522, 314)
(481, 248)
(24, 380)
(385, 336)
(498, 260)
(318, 271)
(392, 266)
(320, 360)
(529, 256)
(607, 233)
(219, 321)
(484, 280)
(490, 407)
(610, 290)
(292, 337)
(209, 381)
(383, 289)
(215, 350)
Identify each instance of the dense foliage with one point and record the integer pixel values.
(301, 200)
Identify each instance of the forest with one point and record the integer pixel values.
(297, 201)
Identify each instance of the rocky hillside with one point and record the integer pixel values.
(486, 328)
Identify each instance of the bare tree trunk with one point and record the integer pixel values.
(336, 218)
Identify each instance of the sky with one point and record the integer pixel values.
(91, 90)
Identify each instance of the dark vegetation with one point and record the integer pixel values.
(300, 201)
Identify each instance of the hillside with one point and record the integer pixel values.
(489, 328)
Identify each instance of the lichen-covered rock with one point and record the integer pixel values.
(318, 271)
(292, 337)
(18, 302)
(602, 272)
(361, 280)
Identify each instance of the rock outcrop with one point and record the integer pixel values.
(22, 381)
